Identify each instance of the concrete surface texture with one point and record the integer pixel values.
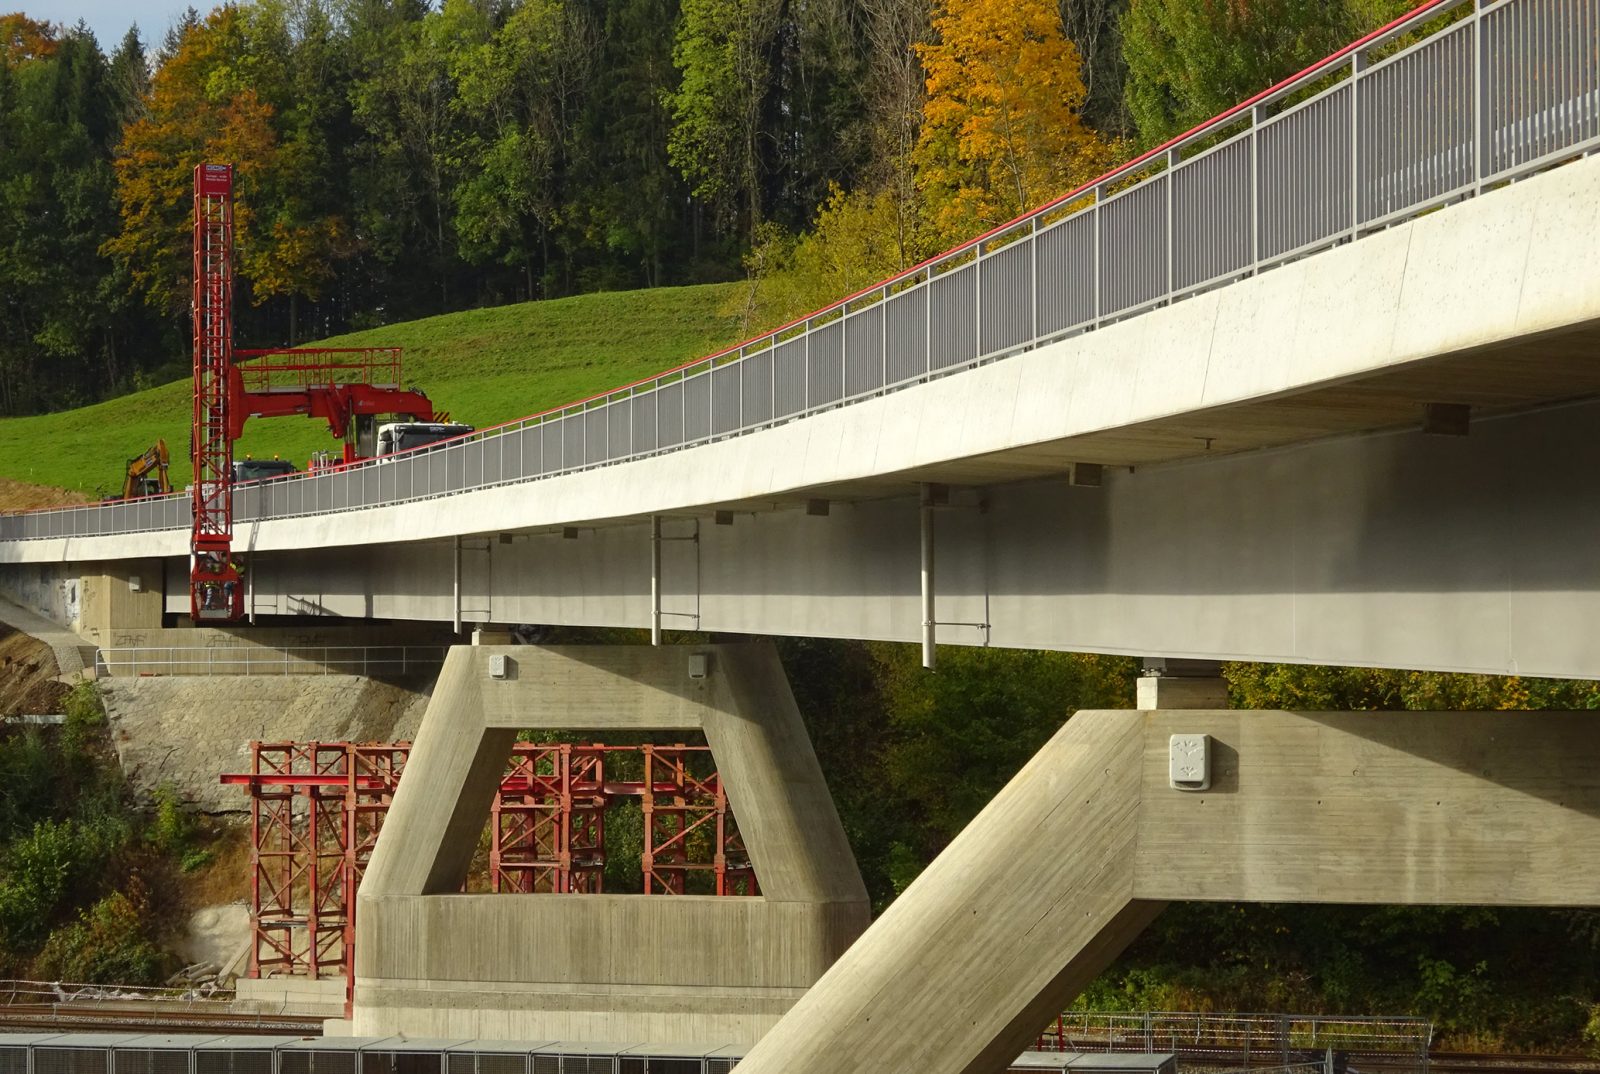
(1089, 841)
(599, 967)
(187, 731)
(1435, 304)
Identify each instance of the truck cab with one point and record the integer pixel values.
(397, 436)
(248, 469)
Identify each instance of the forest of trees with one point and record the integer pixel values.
(398, 159)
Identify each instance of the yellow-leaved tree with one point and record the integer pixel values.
(1002, 128)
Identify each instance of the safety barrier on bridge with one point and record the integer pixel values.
(1457, 97)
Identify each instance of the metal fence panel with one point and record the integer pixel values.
(725, 398)
(1305, 175)
(1543, 92)
(669, 415)
(554, 450)
(1407, 155)
(908, 334)
(863, 350)
(596, 434)
(1005, 290)
(789, 377)
(1066, 274)
(572, 432)
(953, 298)
(756, 387)
(619, 426)
(644, 421)
(825, 365)
(1211, 207)
(1133, 247)
(697, 407)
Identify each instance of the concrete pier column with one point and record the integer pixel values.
(1097, 832)
(679, 968)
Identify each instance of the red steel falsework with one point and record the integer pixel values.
(214, 589)
(316, 809)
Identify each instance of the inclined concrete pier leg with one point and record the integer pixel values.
(1091, 838)
(433, 962)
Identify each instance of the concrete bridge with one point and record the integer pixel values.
(1185, 412)
(1316, 382)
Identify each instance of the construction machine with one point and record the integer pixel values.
(146, 474)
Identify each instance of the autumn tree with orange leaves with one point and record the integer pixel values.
(201, 108)
(1002, 129)
(22, 38)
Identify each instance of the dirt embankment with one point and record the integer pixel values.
(187, 731)
(28, 673)
(21, 496)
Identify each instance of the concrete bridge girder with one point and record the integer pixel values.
(1398, 550)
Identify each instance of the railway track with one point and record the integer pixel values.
(150, 1018)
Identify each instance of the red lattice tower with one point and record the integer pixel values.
(214, 585)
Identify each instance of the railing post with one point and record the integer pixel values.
(844, 350)
(1258, 116)
(1481, 156)
(1173, 158)
(1094, 262)
(977, 312)
(1358, 63)
(805, 398)
(883, 324)
(1033, 289)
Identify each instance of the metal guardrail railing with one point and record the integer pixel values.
(15, 993)
(1370, 136)
(261, 660)
(1232, 1039)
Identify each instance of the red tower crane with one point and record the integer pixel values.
(339, 385)
(214, 589)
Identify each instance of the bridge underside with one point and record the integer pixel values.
(1466, 553)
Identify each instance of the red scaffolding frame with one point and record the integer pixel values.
(214, 589)
(316, 809)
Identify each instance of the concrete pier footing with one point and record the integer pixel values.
(1093, 837)
(433, 962)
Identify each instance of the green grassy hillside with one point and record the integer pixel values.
(483, 366)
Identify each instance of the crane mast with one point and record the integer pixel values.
(214, 589)
(344, 386)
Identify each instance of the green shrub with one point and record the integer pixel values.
(106, 945)
(28, 772)
(47, 871)
(85, 723)
(172, 829)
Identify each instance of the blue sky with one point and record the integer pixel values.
(109, 19)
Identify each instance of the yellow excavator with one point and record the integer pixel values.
(147, 474)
